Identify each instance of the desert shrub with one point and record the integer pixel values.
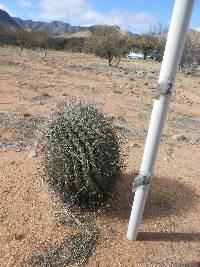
(81, 154)
(191, 53)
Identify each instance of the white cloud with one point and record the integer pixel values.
(24, 3)
(127, 19)
(80, 12)
(5, 8)
(197, 29)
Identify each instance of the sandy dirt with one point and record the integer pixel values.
(30, 89)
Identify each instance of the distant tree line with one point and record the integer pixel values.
(112, 43)
(35, 40)
(22, 38)
(107, 42)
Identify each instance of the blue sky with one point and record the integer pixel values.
(136, 15)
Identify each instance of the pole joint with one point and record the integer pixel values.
(141, 180)
(164, 88)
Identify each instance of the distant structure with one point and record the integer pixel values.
(133, 55)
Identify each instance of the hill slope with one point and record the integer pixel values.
(5, 18)
(53, 28)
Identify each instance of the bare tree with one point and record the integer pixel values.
(160, 32)
(22, 38)
(191, 52)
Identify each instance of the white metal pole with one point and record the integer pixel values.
(175, 42)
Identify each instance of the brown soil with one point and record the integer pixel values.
(170, 229)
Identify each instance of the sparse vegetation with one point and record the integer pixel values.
(72, 250)
(146, 43)
(26, 126)
(191, 52)
(109, 43)
(30, 212)
(159, 32)
(81, 154)
(22, 38)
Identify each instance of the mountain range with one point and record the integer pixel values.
(54, 28)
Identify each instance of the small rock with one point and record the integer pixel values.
(188, 72)
(4, 147)
(134, 146)
(40, 100)
(194, 141)
(17, 146)
(32, 153)
(178, 137)
(140, 72)
(166, 159)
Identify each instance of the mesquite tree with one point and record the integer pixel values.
(110, 43)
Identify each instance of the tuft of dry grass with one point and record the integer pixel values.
(75, 249)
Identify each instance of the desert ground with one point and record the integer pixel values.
(34, 222)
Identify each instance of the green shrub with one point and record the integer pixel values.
(81, 154)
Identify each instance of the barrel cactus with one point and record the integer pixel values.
(81, 154)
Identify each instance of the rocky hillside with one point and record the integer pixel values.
(54, 28)
(5, 18)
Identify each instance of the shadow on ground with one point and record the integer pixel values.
(167, 196)
(164, 236)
